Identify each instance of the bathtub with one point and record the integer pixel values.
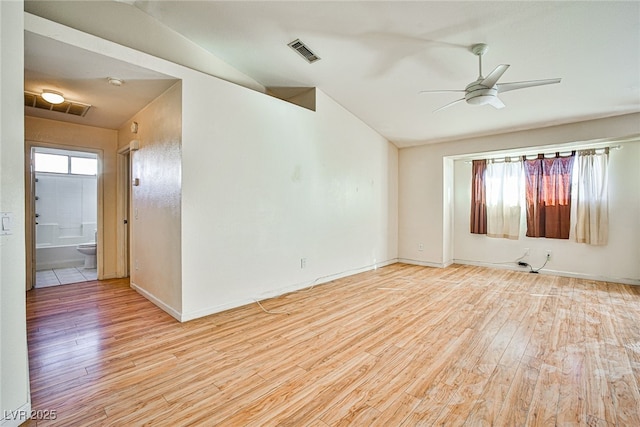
(49, 257)
(56, 245)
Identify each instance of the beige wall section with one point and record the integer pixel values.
(51, 133)
(14, 367)
(156, 202)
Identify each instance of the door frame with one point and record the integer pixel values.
(123, 210)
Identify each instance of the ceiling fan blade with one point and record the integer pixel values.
(506, 87)
(449, 105)
(439, 91)
(496, 103)
(494, 76)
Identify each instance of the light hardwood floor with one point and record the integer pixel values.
(399, 346)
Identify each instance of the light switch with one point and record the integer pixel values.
(7, 220)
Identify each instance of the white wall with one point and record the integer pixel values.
(424, 213)
(266, 184)
(14, 369)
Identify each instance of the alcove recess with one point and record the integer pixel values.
(302, 96)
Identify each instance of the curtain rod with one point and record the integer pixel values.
(531, 153)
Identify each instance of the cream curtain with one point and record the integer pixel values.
(592, 222)
(503, 181)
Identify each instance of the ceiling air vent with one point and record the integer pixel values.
(303, 50)
(32, 99)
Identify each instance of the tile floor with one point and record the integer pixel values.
(64, 276)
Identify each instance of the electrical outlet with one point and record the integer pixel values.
(421, 246)
(548, 254)
(303, 262)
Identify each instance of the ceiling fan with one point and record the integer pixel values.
(485, 90)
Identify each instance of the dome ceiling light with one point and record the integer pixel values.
(52, 97)
(36, 100)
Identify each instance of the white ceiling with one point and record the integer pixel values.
(376, 57)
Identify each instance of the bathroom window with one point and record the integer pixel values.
(53, 163)
(56, 163)
(83, 166)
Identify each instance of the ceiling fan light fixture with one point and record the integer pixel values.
(479, 95)
(52, 97)
(484, 91)
(113, 81)
(479, 100)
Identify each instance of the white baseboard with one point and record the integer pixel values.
(215, 309)
(281, 291)
(423, 263)
(16, 417)
(157, 301)
(621, 280)
(546, 271)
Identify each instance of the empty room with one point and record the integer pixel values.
(320, 213)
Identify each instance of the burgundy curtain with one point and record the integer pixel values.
(478, 198)
(548, 194)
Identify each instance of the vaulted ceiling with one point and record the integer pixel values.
(377, 56)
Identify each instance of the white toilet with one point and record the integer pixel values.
(89, 252)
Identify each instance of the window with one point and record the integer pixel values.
(547, 181)
(53, 163)
(548, 190)
(83, 166)
(63, 164)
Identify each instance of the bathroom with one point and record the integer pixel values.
(66, 226)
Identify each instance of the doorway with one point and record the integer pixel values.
(123, 211)
(64, 200)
